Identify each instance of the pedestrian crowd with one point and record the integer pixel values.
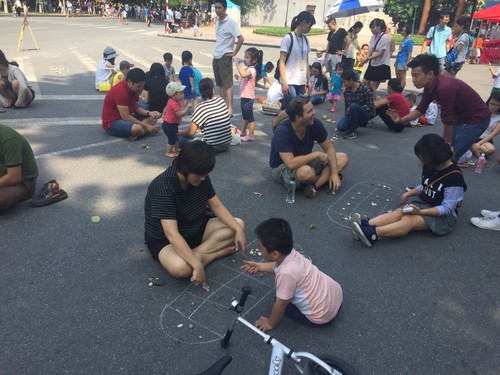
(187, 226)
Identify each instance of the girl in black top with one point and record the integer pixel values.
(432, 205)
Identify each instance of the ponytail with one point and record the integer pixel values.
(303, 16)
(395, 84)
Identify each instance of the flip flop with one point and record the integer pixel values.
(49, 198)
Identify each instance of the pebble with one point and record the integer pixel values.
(374, 204)
(180, 325)
(150, 284)
(190, 326)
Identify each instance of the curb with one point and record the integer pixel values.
(259, 44)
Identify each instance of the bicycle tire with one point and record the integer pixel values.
(342, 367)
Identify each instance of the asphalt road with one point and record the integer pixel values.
(75, 296)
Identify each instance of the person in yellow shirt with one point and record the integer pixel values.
(125, 66)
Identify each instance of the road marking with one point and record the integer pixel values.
(29, 72)
(86, 60)
(137, 60)
(196, 65)
(75, 149)
(71, 97)
(72, 121)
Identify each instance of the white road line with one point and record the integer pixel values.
(86, 60)
(136, 59)
(28, 70)
(134, 31)
(196, 65)
(71, 97)
(71, 121)
(75, 149)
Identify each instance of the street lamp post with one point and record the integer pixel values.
(286, 13)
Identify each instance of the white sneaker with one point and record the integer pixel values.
(490, 223)
(488, 213)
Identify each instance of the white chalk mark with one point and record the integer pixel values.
(80, 148)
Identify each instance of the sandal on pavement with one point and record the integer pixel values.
(246, 138)
(309, 191)
(47, 198)
(171, 154)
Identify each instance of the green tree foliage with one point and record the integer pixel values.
(401, 10)
(247, 6)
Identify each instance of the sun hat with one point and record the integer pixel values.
(109, 53)
(174, 87)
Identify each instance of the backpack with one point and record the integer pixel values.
(277, 75)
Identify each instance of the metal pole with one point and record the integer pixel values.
(414, 17)
(286, 13)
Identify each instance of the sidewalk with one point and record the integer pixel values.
(251, 39)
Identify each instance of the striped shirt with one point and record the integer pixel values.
(166, 200)
(212, 118)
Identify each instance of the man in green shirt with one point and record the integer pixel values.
(18, 169)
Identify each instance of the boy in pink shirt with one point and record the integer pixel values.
(303, 292)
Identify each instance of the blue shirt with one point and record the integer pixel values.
(405, 48)
(197, 78)
(184, 74)
(285, 140)
(336, 85)
(438, 44)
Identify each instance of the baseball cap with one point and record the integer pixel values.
(126, 65)
(174, 87)
(109, 53)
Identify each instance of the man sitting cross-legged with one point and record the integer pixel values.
(121, 114)
(292, 156)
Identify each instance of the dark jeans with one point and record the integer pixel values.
(355, 116)
(382, 113)
(349, 63)
(295, 314)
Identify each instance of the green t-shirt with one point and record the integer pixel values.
(14, 151)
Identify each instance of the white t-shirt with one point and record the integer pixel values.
(495, 119)
(102, 73)
(275, 93)
(296, 66)
(496, 80)
(225, 32)
(384, 44)
(431, 113)
(315, 294)
(464, 41)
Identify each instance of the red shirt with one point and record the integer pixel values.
(460, 104)
(119, 94)
(398, 102)
(170, 116)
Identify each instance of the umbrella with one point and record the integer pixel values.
(348, 8)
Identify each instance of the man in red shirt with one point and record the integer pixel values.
(121, 114)
(464, 114)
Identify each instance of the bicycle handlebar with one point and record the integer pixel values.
(245, 292)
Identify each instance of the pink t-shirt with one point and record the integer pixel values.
(315, 294)
(170, 116)
(247, 84)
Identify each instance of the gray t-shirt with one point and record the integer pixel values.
(296, 66)
(463, 40)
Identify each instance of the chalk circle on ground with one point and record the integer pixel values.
(199, 317)
(367, 198)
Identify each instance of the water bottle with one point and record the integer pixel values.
(480, 164)
(290, 195)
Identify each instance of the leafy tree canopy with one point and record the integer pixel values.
(247, 6)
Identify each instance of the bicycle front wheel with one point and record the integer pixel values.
(339, 366)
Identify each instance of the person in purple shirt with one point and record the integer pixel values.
(292, 156)
(464, 114)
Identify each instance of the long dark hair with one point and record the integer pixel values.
(395, 84)
(156, 70)
(379, 22)
(317, 65)
(257, 55)
(432, 150)
(496, 97)
(301, 17)
(357, 25)
(5, 62)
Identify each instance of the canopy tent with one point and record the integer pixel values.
(491, 14)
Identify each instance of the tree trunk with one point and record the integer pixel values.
(460, 9)
(425, 15)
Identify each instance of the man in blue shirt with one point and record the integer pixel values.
(440, 36)
(292, 155)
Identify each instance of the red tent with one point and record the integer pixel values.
(490, 14)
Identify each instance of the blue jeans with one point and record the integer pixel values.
(315, 100)
(464, 135)
(295, 90)
(355, 117)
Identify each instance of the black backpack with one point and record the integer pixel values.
(277, 70)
